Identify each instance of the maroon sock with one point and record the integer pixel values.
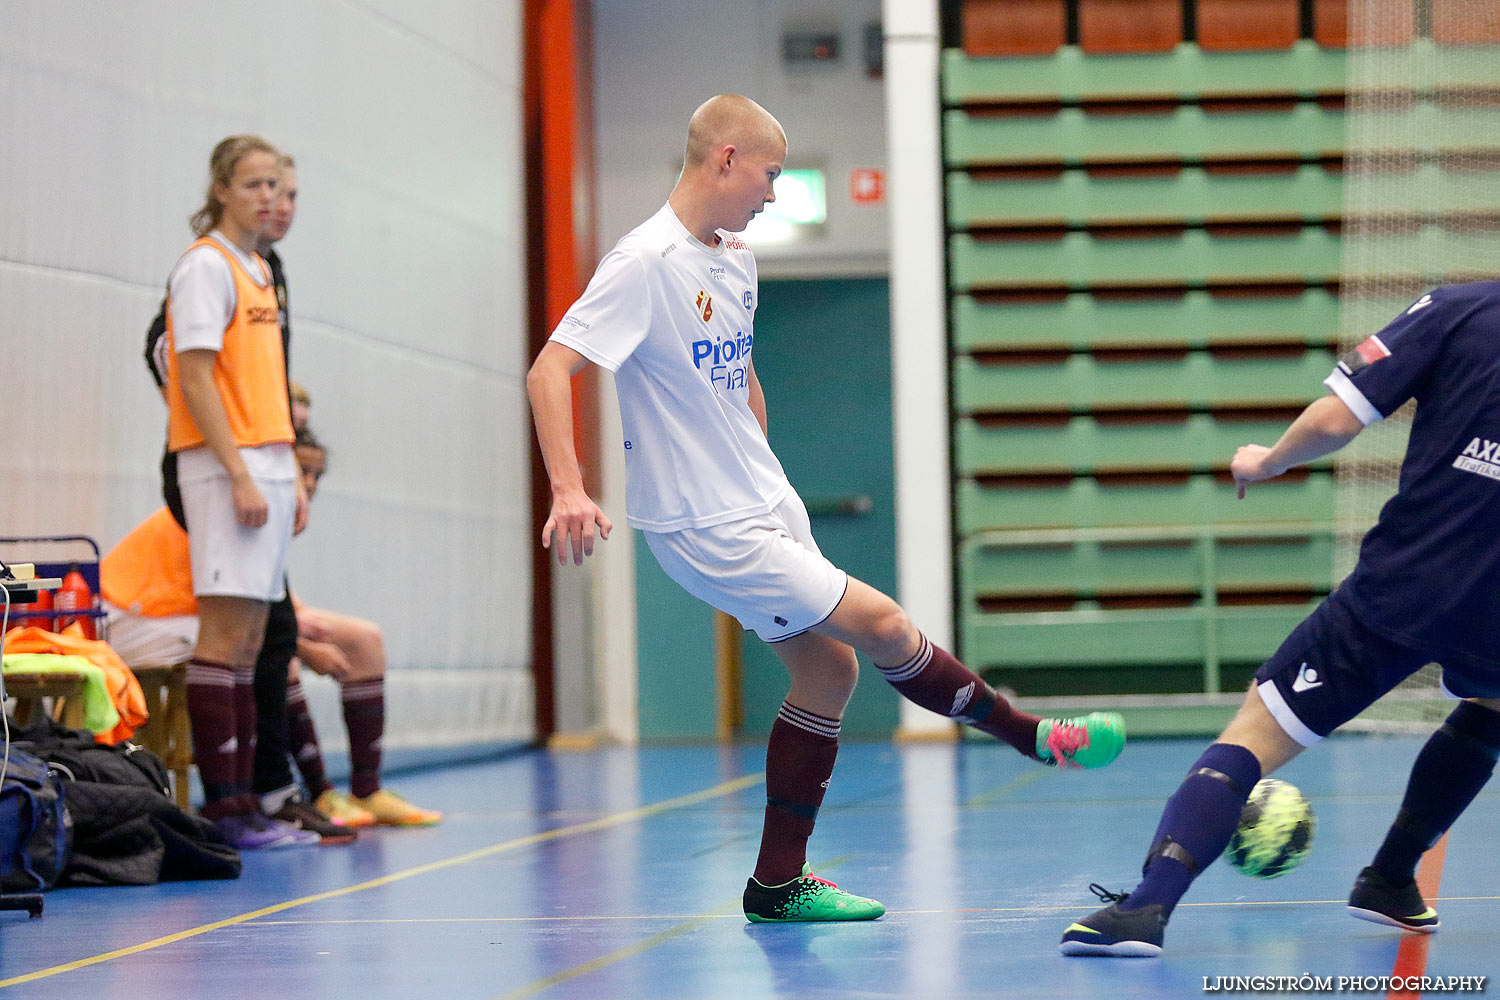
(799, 762)
(211, 715)
(936, 680)
(364, 718)
(304, 740)
(244, 726)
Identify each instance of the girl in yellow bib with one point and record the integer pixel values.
(230, 426)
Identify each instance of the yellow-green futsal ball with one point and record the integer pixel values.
(1275, 831)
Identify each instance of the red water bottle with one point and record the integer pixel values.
(74, 595)
(18, 612)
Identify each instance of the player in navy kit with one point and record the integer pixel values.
(670, 311)
(1426, 589)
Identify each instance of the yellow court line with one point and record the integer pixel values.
(604, 822)
(1010, 786)
(1223, 903)
(576, 918)
(644, 917)
(730, 909)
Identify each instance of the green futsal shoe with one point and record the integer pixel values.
(1090, 741)
(807, 898)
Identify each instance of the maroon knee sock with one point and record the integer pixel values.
(799, 762)
(936, 680)
(244, 726)
(364, 718)
(304, 740)
(211, 715)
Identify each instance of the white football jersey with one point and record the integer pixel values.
(673, 319)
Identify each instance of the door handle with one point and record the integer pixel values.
(855, 505)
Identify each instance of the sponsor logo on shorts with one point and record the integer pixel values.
(1307, 679)
(1481, 457)
(779, 620)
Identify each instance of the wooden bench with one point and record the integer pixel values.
(167, 732)
(64, 688)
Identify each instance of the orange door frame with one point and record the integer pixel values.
(560, 189)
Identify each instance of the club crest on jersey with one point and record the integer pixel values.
(705, 305)
(1369, 351)
(749, 298)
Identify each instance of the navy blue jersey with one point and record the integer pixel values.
(1429, 571)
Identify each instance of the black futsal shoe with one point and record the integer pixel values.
(1116, 933)
(1374, 898)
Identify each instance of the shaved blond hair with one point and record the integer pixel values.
(730, 119)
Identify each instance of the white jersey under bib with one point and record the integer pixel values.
(673, 319)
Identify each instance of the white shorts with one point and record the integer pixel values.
(229, 559)
(764, 570)
(151, 642)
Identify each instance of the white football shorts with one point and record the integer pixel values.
(143, 641)
(764, 570)
(229, 559)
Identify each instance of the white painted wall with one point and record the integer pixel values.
(407, 286)
(919, 336)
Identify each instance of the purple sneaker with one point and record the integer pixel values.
(254, 832)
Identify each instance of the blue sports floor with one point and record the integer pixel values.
(617, 874)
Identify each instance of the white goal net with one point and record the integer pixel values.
(1421, 208)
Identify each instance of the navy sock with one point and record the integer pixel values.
(1453, 766)
(1196, 826)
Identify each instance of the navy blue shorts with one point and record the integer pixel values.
(1330, 669)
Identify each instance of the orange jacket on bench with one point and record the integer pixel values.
(124, 689)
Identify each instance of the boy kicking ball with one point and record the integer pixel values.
(670, 311)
